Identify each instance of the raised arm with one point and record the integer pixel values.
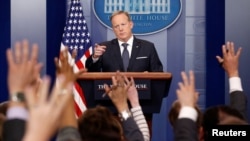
(230, 63)
(185, 128)
(136, 109)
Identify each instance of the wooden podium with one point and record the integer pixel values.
(152, 88)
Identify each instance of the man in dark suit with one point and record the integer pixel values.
(140, 55)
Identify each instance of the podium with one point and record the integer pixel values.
(152, 88)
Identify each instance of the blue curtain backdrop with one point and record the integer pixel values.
(215, 37)
(56, 18)
(5, 43)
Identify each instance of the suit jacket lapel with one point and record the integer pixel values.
(135, 49)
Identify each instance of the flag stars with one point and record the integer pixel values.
(76, 35)
(77, 41)
(75, 21)
(87, 40)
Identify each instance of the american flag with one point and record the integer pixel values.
(76, 36)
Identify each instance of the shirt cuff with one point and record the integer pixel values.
(235, 84)
(188, 112)
(17, 113)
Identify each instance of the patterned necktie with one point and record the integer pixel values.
(125, 56)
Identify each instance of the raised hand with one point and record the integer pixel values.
(118, 92)
(132, 92)
(186, 93)
(230, 60)
(23, 68)
(45, 112)
(65, 66)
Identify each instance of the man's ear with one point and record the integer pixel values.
(131, 24)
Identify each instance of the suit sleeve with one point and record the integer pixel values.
(155, 63)
(185, 130)
(131, 130)
(91, 66)
(13, 130)
(238, 100)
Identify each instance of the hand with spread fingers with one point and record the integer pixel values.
(230, 60)
(65, 65)
(186, 93)
(118, 92)
(23, 67)
(23, 70)
(45, 113)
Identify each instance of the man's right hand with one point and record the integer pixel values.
(98, 51)
(230, 60)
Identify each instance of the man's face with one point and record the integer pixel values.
(122, 27)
